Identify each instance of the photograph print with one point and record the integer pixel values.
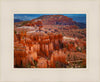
(49, 41)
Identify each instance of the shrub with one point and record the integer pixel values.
(67, 46)
(15, 32)
(28, 65)
(35, 62)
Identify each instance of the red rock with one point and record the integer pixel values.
(42, 63)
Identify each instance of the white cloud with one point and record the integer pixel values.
(24, 17)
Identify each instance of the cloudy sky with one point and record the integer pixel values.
(75, 17)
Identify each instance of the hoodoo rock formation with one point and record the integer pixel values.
(39, 44)
(31, 49)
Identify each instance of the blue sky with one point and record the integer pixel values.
(75, 17)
